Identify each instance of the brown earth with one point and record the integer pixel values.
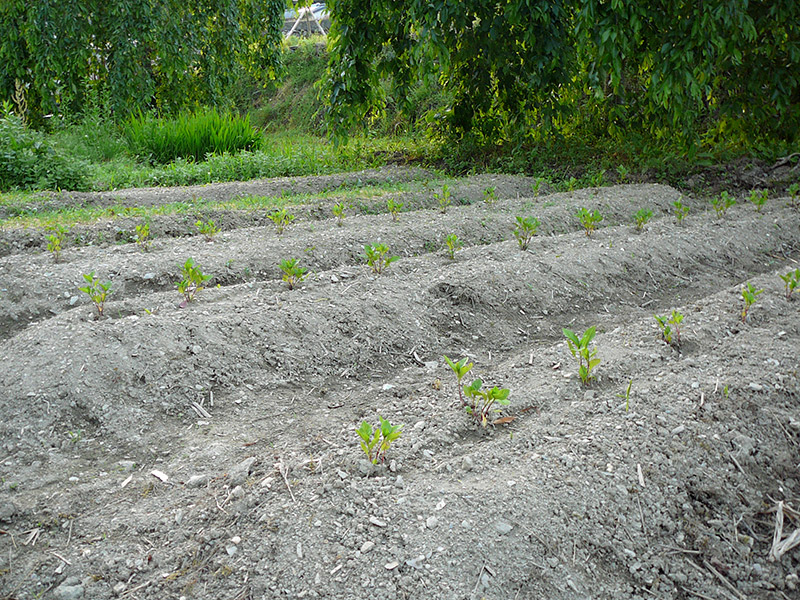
(210, 451)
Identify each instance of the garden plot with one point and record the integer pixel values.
(210, 450)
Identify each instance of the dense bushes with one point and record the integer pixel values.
(27, 161)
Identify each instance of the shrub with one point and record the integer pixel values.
(55, 242)
(193, 281)
(377, 257)
(190, 135)
(27, 161)
(589, 219)
(293, 273)
(525, 230)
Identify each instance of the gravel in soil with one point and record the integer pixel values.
(209, 450)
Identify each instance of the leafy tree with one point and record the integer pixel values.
(729, 68)
(162, 54)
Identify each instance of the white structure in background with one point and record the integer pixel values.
(312, 16)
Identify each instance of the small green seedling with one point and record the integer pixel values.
(97, 291)
(794, 195)
(443, 199)
(480, 402)
(791, 281)
(759, 198)
(525, 230)
(722, 203)
(622, 173)
(55, 242)
(680, 211)
(460, 368)
(282, 220)
(375, 442)
(394, 209)
(193, 281)
(452, 244)
(293, 273)
(749, 294)
(490, 195)
(627, 395)
(338, 212)
(571, 184)
(597, 179)
(670, 328)
(579, 347)
(207, 229)
(589, 219)
(641, 217)
(377, 257)
(143, 236)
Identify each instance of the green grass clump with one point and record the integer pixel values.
(190, 135)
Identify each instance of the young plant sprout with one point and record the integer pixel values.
(338, 212)
(680, 211)
(480, 402)
(193, 281)
(394, 209)
(490, 195)
(579, 347)
(377, 257)
(589, 220)
(97, 291)
(55, 242)
(143, 236)
(641, 217)
(443, 199)
(791, 280)
(282, 220)
(794, 195)
(525, 230)
(722, 203)
(452, 244)
(749, 294)
(759, 198)
(670, 328)
(375, 442)
(460, 368)
(207, 229)
(293, 273)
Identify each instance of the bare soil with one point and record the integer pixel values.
(209, 450)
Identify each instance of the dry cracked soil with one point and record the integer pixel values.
(208, 449)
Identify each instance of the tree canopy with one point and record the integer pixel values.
(726, 66)
(162, 54)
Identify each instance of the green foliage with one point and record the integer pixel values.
(641, 217)
(665, 66)
(376, 442)
(670, 327)
(193, 281)
(749, 295)
(339, 213)
(97, 291)
(282, 220)
(143, 239)
(452, 245)
(622, 173)
(627, 395)
(460, 368)
(589, 219)
(207, 229)
(28, 161)
(490, 195)
(55, 241)
(579, 348)
(525, 230)
(394, 209)
(597, 179)
(794, 194)
(378, 257)
(791, 280)
(147, 53)
(680, 211)
(722, 203)
(190, 135)
(759, 198)
(480, 401)
(293, 273)
(443, 199)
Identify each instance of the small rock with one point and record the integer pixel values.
(196, 481)
(399, 482)
(419, 425)
(7, 510)
(377, 522)
(502, 527)
(416, 562)
(334, 278)
(299, 550)
(367, 546)
(70, 589)
(391, 565)
(589, 395)
(240, 473)
(341, 474)
(73, 300)
(756, 387)
(231, 549)
(467, 464)
(236, 540)
(679, 429)
(431, 522)
(553, 562)
(149, 276)
(387, 386)
(127, 465)
(119, 588)
(237, 492)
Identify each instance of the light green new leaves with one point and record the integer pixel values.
(579, 347)
(375, 442)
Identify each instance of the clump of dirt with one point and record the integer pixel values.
(210, 450)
